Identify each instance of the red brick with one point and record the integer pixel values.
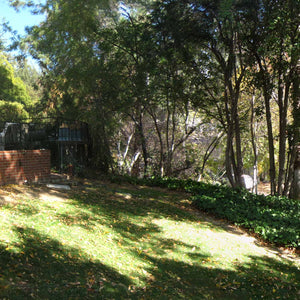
(30, 165)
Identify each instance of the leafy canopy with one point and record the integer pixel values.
(12, 88)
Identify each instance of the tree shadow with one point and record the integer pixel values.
(41, 267)
(134, 202)
(36, 190)
(138, 202)
(261, 278)
(12, 193)
(117, 202)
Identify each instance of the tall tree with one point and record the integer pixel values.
(272, 39)
(67, 46)
(214, 28)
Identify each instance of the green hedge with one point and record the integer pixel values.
(275, 219)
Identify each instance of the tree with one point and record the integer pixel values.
(238, 36)
(11, 88)
(140, 80)
(103, 66)
(12, 112)
(67, 48)
(272, 40)
(214, 28)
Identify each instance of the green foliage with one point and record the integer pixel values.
(12, 111)
(30, 77)
(103, 62)
(275, 219)
(12, 88)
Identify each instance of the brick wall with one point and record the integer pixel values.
(18, 166)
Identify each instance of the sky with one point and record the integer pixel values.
(18, 20)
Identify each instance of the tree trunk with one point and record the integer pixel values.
(295, 143)
(229, 154)
(296, 183)
(272, 170)
(253, 138)
(239, 158)
(229, 157)
(101, 145)
(266, 86)
(292, 156)
(137, 118)
(140, 128)
(161, 144)
(283, 106)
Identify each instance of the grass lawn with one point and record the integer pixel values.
(104, 241)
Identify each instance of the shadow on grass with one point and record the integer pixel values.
(115, 203)
(262, 278)
(43, 268)
(39, 267)
(140, 202)
(135, 202)
(34, 191)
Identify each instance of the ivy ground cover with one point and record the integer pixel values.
(105, 241)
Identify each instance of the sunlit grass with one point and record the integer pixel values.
(125, 243)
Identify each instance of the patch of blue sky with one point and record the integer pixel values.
(17, 21)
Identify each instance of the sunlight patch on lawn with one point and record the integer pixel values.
(223, 249)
